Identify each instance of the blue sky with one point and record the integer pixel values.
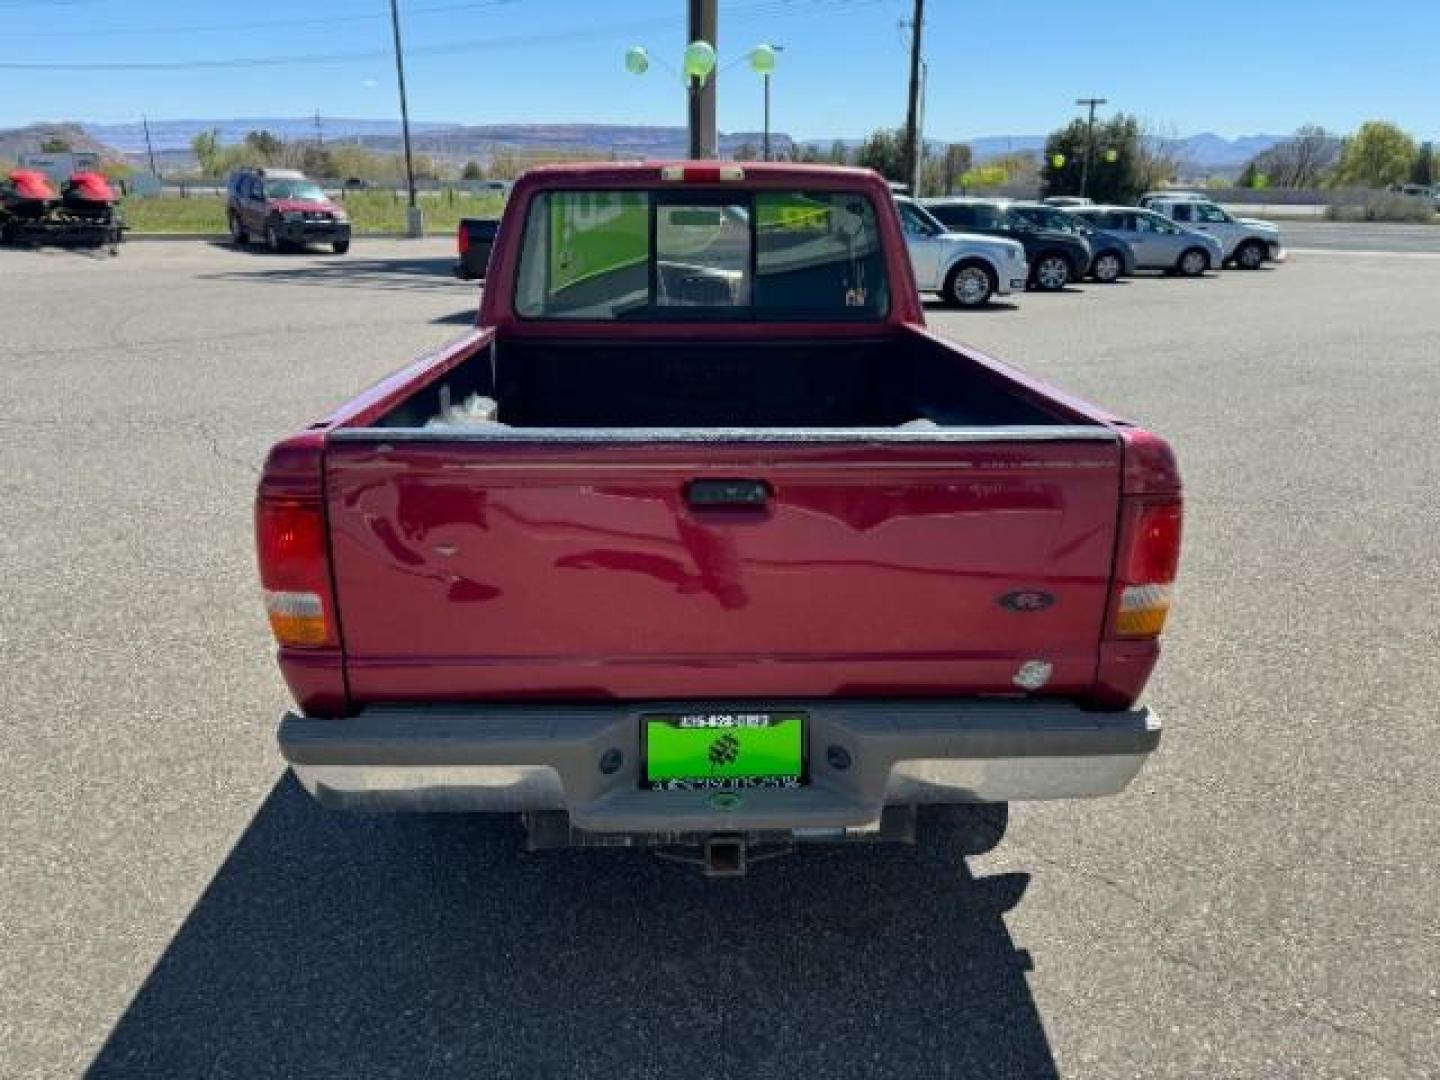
(995, 67)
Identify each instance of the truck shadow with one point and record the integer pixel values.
(994, 307)
(345, 946)
(317, 267)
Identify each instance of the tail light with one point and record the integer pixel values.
(701, 174)
(462, 238)
(294, 572)
(1145, 566)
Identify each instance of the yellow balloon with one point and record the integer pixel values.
(762, 59)
(1058, 161)
(699, 59)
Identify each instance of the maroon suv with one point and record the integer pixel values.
(285, 208)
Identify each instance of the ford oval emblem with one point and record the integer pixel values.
(1027, 600)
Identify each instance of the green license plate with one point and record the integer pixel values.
(725, 751)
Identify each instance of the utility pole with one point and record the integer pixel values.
(1089, 141)
(415, 223)
(319, 136)
(913, 144)
(766, 77)
(767, 116)
(704, 24)
(150, 150)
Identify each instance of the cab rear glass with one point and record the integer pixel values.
(701, 253)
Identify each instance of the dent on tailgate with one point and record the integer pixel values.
(532, 570)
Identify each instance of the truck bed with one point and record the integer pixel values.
(891, 381)
(901, 495)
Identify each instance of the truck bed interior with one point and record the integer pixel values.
(895, 381)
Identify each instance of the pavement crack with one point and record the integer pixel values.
(218, 451)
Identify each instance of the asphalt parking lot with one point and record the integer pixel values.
(1261, 903)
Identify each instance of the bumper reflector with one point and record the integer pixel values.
(296, 618)
(1143, 610)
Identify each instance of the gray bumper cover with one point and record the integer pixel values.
(547, 757)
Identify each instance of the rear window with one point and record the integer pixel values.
(701, 254)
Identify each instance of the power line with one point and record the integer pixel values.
(761, 8)
(270, 24)
(259, 24)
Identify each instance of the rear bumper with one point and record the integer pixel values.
(300, 232)
(863, 755)
(471, 265)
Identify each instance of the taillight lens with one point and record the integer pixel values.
(701, 174)
(1149, 556)
(462, 239)
(290, 538)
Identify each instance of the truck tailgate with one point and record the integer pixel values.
(471, 569)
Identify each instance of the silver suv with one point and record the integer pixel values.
(1249, 242)
(1158, 242)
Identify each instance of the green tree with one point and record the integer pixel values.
(1120, 165)
(268, 146)
(1377, 155)
(56, 145)
(472, 171)
(954, 164)
(1423, 171)
(884, 151)
(315, 160)
(206, 147)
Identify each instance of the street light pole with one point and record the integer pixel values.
(762, 59)
(767, 116)
(704, 21)
(415, 224)
(1089, 142)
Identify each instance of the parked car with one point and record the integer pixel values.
(1418, 191)
(1111, 258)
(1167, 193)
(285, 209)
(1248, 242)
(474, 238)
(1055, 258)
(1158, 243)
(700, 537)
(965, 269)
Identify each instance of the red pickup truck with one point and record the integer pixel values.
(701, 537)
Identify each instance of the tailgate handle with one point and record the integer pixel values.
(723, 493)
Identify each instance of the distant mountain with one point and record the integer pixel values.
(176, 134)
(1210, 151)
(1204, 151)
(460, 142)
(28, 140)
(448, 140)
(602, 140)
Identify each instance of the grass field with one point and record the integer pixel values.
(370, 211)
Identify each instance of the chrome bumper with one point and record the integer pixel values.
(863, 755)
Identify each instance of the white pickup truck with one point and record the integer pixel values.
(965, 269)
(1249, 242)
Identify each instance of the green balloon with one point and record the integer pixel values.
(699, 60)
(1112, 155)
(1058, 161)
(762, 59)
(637, 60)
